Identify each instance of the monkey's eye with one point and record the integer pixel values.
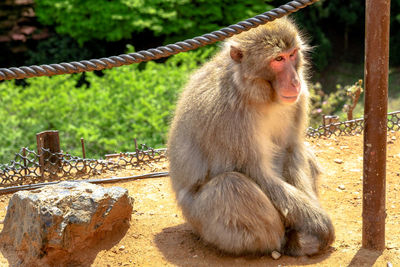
(293, 54)
(279, 58)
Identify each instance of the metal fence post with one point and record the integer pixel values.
(377, 19)
(83, 154)
(51, 141)
(25, 165)
(136, 151)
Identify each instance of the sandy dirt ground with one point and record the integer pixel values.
(159, 236)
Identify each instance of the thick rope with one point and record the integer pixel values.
(153, 53)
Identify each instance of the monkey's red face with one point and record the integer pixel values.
(286, 81)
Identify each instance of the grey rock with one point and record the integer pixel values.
(65, 224)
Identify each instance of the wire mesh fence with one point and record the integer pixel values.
(30, 167)
(352, 127)
(26, 168)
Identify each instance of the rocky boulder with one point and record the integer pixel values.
(65, 224)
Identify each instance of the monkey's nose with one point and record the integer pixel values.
(295, 82)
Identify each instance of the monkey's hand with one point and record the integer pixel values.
(311, 234)
(309, 229)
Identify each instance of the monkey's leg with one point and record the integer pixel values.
(314, 168)
(232, 213)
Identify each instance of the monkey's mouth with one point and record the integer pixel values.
(288, 99)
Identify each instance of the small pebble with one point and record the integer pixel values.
(389, 264)
(275, 255)
(121, 248)
(338, 161)
(341, 187)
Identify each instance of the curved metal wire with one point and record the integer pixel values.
(153, 53)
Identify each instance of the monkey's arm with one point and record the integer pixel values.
(301, 169)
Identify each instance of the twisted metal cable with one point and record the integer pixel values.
(153, 53)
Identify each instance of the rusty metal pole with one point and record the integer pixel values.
(377, 20)
(83, 153)
(136, 151)
(83, 148)
(25, 166)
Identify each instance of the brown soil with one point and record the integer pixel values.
(158, 234)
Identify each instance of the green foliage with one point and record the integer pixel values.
(308, 19)
(332, 25)
(116, 20)
(346, 13)
(395, 33)
(335, 103)
(127, 102)
(57, 49)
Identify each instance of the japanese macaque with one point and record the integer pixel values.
(242, 174)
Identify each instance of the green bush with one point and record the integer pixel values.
(61, 48)
(334, 103)
(395, 33)
(116, 20)
(334, 26)
(309, 20)
(129, 102)
(176, 20)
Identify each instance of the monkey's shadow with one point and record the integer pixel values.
(182, 247)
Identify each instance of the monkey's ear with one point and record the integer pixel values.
(236, 54)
